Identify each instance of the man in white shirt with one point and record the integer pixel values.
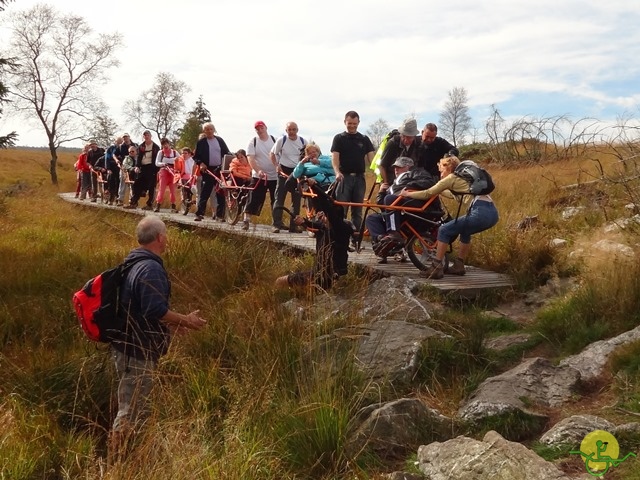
(285, 155)
(263, 169)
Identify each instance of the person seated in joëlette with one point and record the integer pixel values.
(385, 226)
(240, 169)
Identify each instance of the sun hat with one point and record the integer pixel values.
(409, 128)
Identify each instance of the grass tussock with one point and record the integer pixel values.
(605, 304)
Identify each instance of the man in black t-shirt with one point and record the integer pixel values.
(350, 153)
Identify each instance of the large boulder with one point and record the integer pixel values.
(392, 298)
(384, 350)
(464, 458)
(511, 397)
(571, 430)
(394, 428)
(591, 361)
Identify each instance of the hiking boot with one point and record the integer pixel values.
(457, 268)
(157, 208)
(147, 207)
(131, 206)
(393, 236)
(198, 218)
(173, 208)
(94, 200)
(434, 271)
(245, 225)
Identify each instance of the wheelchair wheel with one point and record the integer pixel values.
(421, 251)
(186, 204)
(232, 210)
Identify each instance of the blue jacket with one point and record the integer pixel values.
(322, 173)
(144, 300)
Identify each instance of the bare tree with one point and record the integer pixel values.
(160, 108)
(61, 61)
(9, 139)
(103, 130)
(377, 131)
(455, 121)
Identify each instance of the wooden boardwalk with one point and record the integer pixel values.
(475, 280)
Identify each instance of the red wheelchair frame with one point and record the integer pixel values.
(419, 227)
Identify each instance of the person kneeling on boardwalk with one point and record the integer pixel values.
(481, 215)
(333, 234)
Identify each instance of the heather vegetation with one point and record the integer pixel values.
(245, 399)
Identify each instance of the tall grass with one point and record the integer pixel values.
(607, 303)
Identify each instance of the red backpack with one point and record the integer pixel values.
(97, 304)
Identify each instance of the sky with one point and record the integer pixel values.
(312, 61)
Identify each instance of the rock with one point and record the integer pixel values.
(392, 429)
(571, 212)
(572, 430)
(506, 341)
(632, 207)
(392, 298)
(591, 361)
(632, 429)
(615, 248)
(512, 395)
(622, 224)
(404, 476)
(464, 458)
(384, 350)
(558, 243)
(527, 222)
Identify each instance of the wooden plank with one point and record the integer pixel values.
(475, 280)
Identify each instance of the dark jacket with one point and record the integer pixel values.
(430, 155)
(201, 153)
(332, 244)
(155, 148)
(144, 300)
(94, 155)
(394, 149)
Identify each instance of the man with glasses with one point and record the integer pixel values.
(433, 149)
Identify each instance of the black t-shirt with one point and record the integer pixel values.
(353, 148)
(431, 154)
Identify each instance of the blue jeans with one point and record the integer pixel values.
(352, 189)
(481, 216)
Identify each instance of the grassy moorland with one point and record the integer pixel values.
(243, 399)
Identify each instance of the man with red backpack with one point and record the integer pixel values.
(149, 322)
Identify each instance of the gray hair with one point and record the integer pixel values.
(149, 228)
(209, 124)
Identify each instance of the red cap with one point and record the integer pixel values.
(259, 123)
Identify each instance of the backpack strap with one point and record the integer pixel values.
(255, 140)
